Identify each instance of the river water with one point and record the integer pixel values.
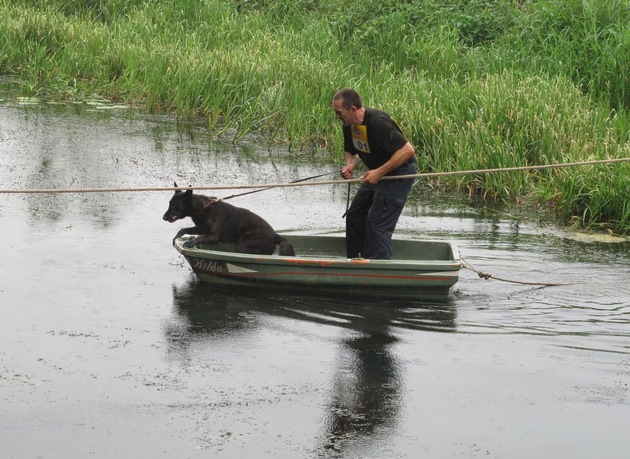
(111, 348)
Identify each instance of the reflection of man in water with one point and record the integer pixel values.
(366, 393)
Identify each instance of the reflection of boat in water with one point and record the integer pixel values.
(367, 385)
(209, 309)
(419, 269)
(204, 310)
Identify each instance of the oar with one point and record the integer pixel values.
(294, 181)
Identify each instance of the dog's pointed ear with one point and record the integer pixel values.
(189, 192)
(175, 184)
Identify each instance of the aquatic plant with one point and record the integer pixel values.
(474, 84)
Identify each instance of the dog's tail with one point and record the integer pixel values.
(286, 248)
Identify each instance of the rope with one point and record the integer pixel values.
(294, 181)
(487, 276)
(318, 183)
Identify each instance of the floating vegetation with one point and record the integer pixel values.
(112, 107)
(28, 101)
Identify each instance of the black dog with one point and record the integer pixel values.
(217, 221)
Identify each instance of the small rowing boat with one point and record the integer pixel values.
(420, 268)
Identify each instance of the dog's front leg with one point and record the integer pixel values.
(191, 230)
(210, 235)
(208, 238)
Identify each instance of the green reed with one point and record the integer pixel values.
(474, 84)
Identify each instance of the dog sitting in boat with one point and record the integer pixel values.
(217, 221)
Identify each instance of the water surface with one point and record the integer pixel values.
(111, 348)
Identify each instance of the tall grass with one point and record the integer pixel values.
(586, 40)
(475, 83)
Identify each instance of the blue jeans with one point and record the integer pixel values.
(373, 214)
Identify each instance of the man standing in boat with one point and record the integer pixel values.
(374, 137)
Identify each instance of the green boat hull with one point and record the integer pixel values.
(419, 269)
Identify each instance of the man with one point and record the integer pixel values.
(375, 138)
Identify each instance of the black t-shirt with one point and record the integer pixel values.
(375, 140)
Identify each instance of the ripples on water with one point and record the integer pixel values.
(592, 298)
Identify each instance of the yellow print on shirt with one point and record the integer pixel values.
(360, 139)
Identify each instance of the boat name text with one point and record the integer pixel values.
(208, 265)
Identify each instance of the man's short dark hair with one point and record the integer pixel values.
(349, 98)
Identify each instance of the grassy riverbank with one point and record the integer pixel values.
(475, 84)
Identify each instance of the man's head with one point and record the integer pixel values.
(348, 106)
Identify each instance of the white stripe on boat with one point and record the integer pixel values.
(238, 269)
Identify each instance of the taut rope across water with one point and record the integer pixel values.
(301, 182)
